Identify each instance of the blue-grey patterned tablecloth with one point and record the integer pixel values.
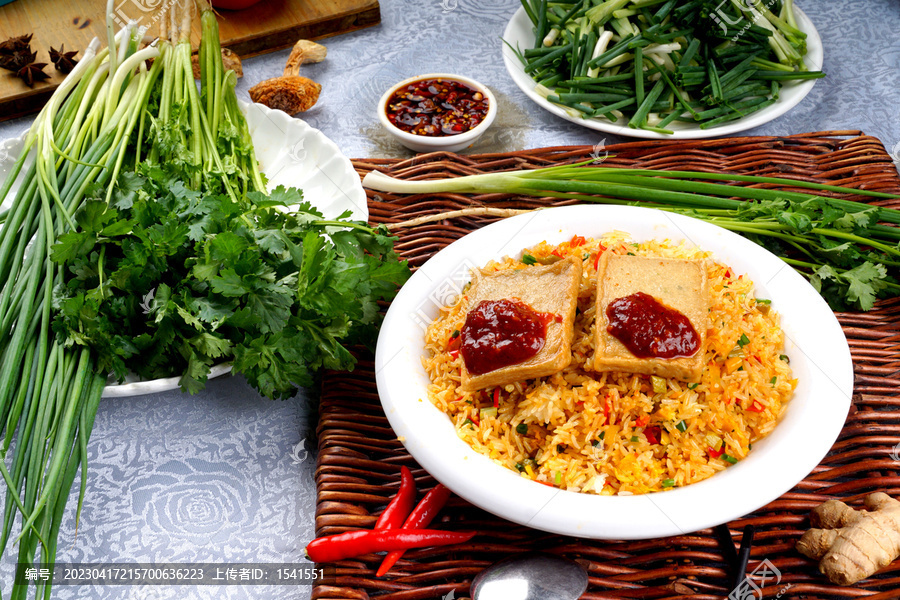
(226, 476)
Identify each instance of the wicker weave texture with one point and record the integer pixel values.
(359, 456)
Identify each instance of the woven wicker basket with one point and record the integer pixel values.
(359, 455)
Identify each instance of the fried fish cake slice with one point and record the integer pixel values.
(549, 289)
(677, 283)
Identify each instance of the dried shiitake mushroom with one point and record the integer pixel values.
(304, 51)
(229, 59)
(292, 94)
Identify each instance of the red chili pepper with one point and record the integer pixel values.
(576, 241)
(421, 516)
(599, 254)
(556, 252)
(454, 354)
(496, 397)
(607, 409)
(716, 453)
(653, 434)
(756, 407)
(453, 344)
(398, 508)
(365, 541)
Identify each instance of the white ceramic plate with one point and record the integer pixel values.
(820, 359)
(290, 153)
(519, 33)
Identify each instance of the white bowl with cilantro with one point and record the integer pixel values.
(291, 154)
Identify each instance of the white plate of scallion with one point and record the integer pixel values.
(290, 153)
(739, 67)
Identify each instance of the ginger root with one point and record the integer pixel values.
(852, 544)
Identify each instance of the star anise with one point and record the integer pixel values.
(15, 44)
(16, 60)
(64, 61)
(32, 72)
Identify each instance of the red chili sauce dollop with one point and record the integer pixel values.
(436, 107)
(650, 329)
(499, 333)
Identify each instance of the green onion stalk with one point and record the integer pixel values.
(224, 119)
(203, 132)
(113, 114)
(49, 389)
(848, 250)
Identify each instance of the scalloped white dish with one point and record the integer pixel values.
(520, 35)
(815, 343)
(290, 153)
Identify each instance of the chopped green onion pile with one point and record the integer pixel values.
(656, 62)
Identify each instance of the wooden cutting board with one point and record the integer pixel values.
(267, 26)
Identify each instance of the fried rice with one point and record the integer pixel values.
(620, 433)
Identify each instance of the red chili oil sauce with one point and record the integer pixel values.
(499, 333)
(650, 329)
(436, 107)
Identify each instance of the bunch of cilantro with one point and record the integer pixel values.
(165, 280)
(842, 249)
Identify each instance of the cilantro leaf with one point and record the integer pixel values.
(228, 283)
(864, 282)
(271, 240)
(226, 247)
(858, 287)
(128, 185)
(280, 196)
(94, 215)
(169, 278)
(71, 245)
(210, 345)
(857, 221)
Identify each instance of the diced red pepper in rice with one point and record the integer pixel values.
(755, 406)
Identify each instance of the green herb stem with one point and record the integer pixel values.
(856, 256)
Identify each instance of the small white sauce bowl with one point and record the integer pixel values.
(447, 143)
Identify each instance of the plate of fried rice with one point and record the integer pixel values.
(616, 455)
